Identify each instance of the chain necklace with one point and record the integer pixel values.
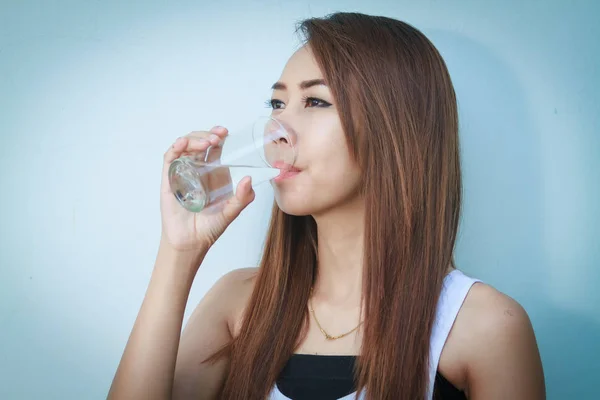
(327, 335)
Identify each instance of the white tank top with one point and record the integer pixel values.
(454, 291)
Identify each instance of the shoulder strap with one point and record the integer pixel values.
(454, 291)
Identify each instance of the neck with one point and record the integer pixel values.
(340, 252)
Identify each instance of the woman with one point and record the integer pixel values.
(356, 294)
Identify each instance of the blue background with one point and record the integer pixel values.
(93, 92)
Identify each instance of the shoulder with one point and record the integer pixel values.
(498, 349)
(489, 311)
(235, 288)
(242, 278)
(226, 297)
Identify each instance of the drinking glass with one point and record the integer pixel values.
(263, 151)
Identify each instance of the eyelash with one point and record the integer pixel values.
(323, 104)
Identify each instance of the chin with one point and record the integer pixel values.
(294, 204)
(301, 199)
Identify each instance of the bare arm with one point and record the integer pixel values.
(504, 360)
(211, 326)
(147, 367)
(161, 363)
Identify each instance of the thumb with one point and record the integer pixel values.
(244, 195)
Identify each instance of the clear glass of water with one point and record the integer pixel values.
(263, 151)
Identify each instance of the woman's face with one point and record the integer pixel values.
(327, 176)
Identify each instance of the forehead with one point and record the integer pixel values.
(301, 66)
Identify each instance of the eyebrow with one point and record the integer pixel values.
(303, 85)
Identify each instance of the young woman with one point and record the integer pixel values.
(356, 295)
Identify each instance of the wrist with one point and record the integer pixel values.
(183, 251)
(183, 262)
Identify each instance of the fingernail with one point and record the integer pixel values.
(217, 128)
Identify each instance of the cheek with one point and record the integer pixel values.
(331, 167)
(334, 173)
(329, 174)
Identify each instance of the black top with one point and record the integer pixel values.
(314, 377)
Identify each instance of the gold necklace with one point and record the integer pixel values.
(327, 335)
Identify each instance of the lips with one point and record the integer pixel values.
(286, 171)
(285, 175)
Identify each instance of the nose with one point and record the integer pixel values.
(280, 141)
(282, 132)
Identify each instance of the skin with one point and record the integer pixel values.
(491, 352)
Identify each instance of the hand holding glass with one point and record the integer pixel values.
(263, 151)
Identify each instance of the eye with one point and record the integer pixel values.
(312, 102)
(274, 104)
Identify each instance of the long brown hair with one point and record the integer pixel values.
(398, 110)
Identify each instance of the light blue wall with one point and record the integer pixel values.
(91, 93)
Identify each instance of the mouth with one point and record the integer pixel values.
(286, 171)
